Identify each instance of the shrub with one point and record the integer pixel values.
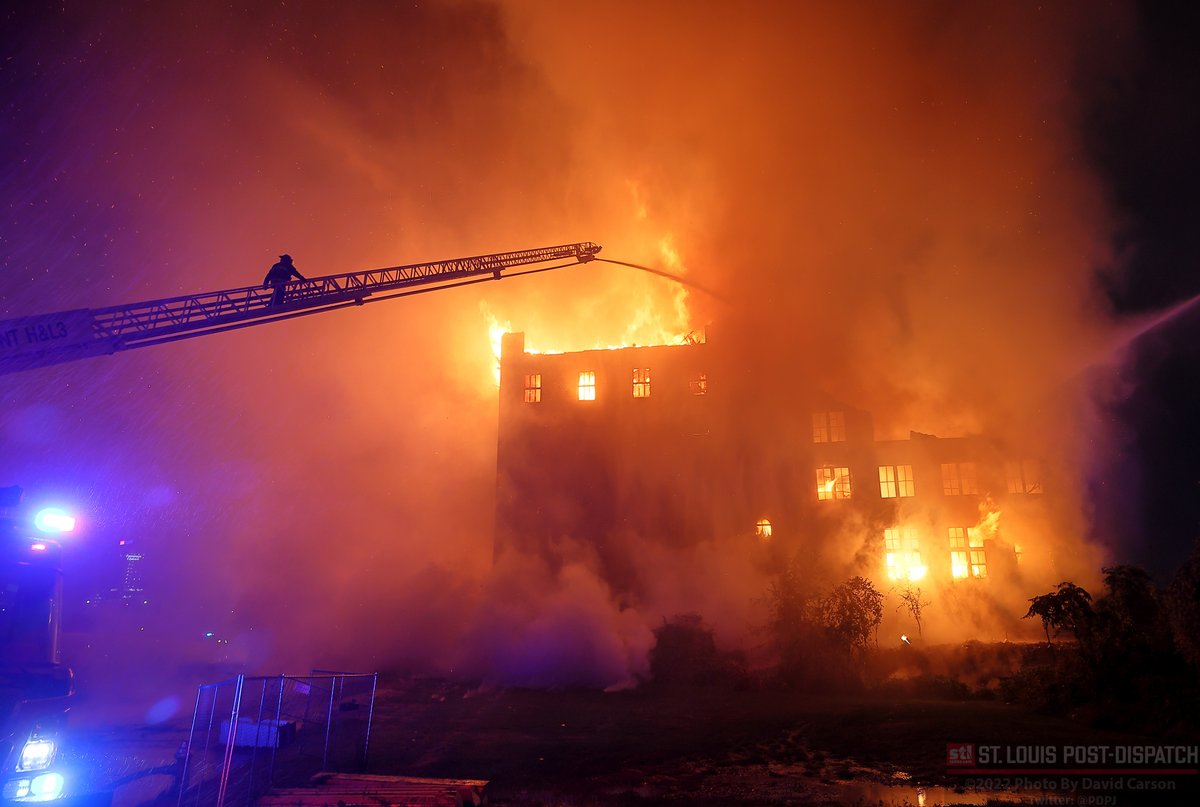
(685, 653)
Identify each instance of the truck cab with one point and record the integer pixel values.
(35, 687)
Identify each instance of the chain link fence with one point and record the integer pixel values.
(253, 733)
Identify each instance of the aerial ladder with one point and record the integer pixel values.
(44, 340)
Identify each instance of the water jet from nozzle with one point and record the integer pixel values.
(677, 278)
(1137, 330)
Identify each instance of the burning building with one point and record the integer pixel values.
(676, 445)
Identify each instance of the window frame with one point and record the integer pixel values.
(533, 388)
(641, 382)
(834, 483)
(587, 385)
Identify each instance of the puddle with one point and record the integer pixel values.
(910, 796)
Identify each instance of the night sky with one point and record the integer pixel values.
(945, 213)
(1143, 130)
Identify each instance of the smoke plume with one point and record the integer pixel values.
(892, 201)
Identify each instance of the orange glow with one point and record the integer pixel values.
(902, 554)
(833, 483)
(640, 211)
(989, 521)
(496, 331)
(635, 309)
(763, 529)
(587, 385)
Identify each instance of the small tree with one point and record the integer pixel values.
(1068, 608)
(821, 638)
(804, 651)
(1131, 604)
(1183, 608)
(910, 600)
(852, 613)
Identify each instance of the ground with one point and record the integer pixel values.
(716, 745)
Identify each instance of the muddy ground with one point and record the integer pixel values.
(699, 746)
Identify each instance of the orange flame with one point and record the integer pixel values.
(496, 331)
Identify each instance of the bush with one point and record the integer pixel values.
(685, 653)
(822, 639)
(1126, 670)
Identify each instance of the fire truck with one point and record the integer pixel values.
(35, 687)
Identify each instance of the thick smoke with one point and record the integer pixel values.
(893, 202)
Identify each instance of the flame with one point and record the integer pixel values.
(496, 331)
(639, 309)
(989, 519)
(648, 323)
(910, 573)
(670, 255)
(902, 554)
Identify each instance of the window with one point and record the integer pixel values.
(950, 483)
(833, 483)
(533, 388)
(763, 529)
(641, 383)
(958, 479)
(837, 427)
(966, 470)
(967, 556)
(698, 384)
(978, 563)
(587, 385)
(1024, 476)
(829, 427)
(958, 553)
(895, 481)
(902, 554)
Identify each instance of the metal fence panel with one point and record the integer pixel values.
(252, 733)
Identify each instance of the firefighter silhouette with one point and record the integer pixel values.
(278, 277)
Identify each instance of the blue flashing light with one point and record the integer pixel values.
(54, 519)
(208, 634)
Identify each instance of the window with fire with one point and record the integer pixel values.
(833, 482)
(641, 382)
(895, 481)
(967, 558)
(587, 385)
(902, 554)
(533, 388)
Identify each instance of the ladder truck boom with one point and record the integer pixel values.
(40, 341)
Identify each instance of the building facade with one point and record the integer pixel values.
(617, 450)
